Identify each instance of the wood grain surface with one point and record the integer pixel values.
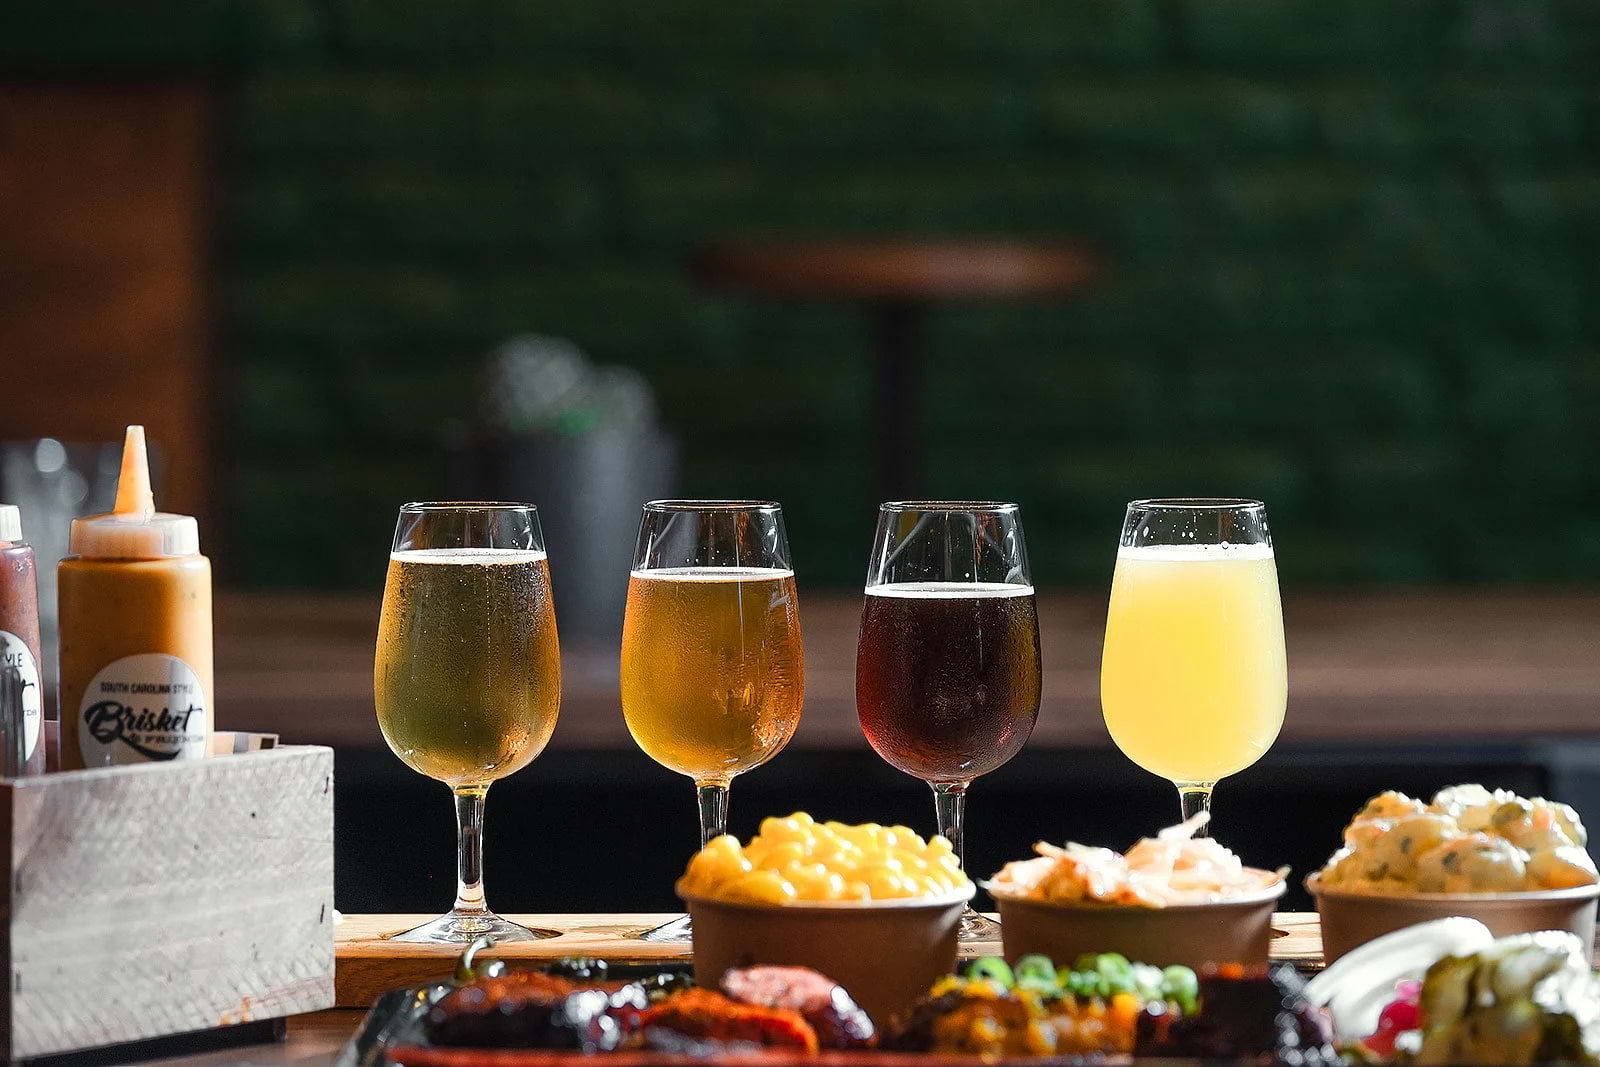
(106, 298)
(161, 898)
(1368, 667)
(368, 965)
(312, 1040)
(919, 269)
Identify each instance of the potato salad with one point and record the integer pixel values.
(1466, 840)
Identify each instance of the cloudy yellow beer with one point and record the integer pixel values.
(1193, 680)
(468, 673)
(712, 673)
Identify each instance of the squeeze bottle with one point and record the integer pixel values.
(135, 619)
(21, 689)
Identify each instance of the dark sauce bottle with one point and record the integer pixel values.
(21, 684)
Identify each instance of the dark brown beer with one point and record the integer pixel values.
(947, 676)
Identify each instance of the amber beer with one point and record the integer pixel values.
(712, 674)
(468, 673)
(947, 675)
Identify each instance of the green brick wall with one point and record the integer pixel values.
(1352, 252)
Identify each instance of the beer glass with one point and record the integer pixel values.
(1193, 680)
(467, 678)
(947, 665)
(712, 673)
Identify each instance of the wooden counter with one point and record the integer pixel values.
(312, 1041)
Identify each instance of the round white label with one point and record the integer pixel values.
(15, 657)
(145, 707)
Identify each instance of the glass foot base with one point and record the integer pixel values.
(975, 927)
(676, 932)
(458, 929)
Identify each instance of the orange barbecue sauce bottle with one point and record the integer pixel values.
(135, 620)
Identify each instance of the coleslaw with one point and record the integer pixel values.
(1172, 868)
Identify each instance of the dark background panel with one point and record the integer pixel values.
(558, 842)
(1347, 248)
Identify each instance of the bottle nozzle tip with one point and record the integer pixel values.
(133, 483)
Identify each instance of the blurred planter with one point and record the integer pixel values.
(588, 488)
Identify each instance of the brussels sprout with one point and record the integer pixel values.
(1147, 981)
(1037, 973)
(1116, 972)
(1181, 986)
(994, 969)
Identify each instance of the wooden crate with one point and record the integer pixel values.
(165, 898)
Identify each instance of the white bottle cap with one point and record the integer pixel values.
(10, 522)
(134, 529)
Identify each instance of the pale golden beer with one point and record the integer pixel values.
(468, 672)
(1193, 678)
(712, 674)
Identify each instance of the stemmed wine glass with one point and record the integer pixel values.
(1193, 680)
(467, 677)
(947, 666)
(713, 676)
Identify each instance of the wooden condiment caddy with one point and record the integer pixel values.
(165, 898)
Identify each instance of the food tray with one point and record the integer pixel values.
(391, 1031)
(416, 1056)
(386, 1038)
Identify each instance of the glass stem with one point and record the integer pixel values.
(469, 849)
(1195, 797)
(950, 810)
(713, 799)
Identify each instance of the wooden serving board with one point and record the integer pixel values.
(367, 964)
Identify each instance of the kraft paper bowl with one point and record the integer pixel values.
(886, 953)
(1352, 919)
(1236, 930)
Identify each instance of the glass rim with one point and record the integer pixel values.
(979, 507)
(418, 507)
(688, 506)
(1197, 503)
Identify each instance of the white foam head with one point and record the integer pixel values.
(1196, 553)
(478, 556)
(713, 574)
(949, 590)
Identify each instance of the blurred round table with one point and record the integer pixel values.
(896, 281)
